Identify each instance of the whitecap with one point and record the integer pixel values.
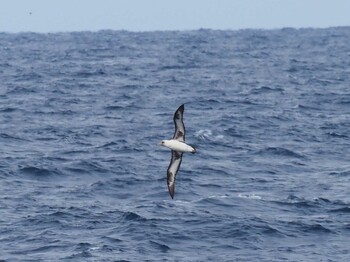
(207, 134)
(203, 133)
(250, 196)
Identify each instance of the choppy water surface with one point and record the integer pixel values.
(82, 177)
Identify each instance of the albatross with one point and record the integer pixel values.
(178, 147)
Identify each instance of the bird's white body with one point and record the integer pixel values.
(178, 146)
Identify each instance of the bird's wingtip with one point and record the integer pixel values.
(171, 193)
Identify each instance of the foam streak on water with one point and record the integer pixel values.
(82, 177)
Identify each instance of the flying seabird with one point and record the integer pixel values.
(178, 147)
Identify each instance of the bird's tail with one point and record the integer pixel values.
(194, 150)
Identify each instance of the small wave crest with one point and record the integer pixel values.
(131, 216)
(38, 172)
(266, 89)
(162, 247)
(250, 196)
(279, 151)
(207, 134)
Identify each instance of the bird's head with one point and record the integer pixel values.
(165, 143)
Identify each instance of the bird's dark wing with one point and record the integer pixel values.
(176, 158)
(179, 124)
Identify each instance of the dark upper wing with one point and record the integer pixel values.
(176, 158)
(179, 124)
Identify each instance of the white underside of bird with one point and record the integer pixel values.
(178, 146)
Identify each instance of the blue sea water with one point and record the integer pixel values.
(82, 177)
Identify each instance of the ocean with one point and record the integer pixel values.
(82, 175)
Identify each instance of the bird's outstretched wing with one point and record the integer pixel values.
(176, 158)
(179, 124)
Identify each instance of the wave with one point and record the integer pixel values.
(161, 247)
(266, 90)
(345, 173)
(132, 216)
(250, 196)
(39, 172)
(12, 137)
(279, 151)
(8, 110)
(207, 134)
(341, 210)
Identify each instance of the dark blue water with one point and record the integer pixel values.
(82, 177)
